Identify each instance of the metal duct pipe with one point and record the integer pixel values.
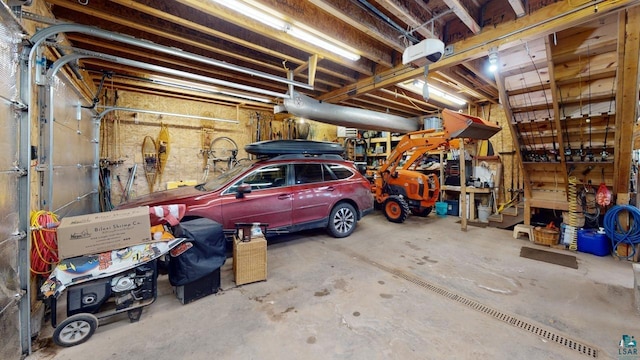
(306, 107)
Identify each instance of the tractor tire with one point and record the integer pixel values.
(422, 212)
(396, 209)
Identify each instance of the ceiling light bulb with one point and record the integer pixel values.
(493, 59)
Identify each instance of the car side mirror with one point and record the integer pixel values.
(243, 189)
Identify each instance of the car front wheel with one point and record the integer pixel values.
(342, 221)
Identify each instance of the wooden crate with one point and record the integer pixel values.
(249, 260)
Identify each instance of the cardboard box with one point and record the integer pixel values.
(100, 232)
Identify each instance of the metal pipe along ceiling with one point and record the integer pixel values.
(43, 34)
(86, 54)
(306, 107)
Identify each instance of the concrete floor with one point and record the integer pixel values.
(378, 294)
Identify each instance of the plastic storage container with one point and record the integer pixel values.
(453, 207)
(441, 208)
(594, 242)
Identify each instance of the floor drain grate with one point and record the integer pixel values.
(509, 319)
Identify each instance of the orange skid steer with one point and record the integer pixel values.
(400, 191)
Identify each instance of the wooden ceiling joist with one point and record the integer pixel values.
(461, 11)
(550, 19)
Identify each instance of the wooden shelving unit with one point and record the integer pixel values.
(568, 110)
(380, 148)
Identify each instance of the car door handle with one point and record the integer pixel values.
(330, 188)
(284, 196)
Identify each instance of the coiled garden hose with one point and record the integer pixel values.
(617, 233)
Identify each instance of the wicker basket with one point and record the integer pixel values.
(546, 236)
(249, 260)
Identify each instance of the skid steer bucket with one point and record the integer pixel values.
(460, 125)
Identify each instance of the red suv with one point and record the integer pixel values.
(290, 192)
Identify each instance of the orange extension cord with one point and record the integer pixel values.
(44, 244)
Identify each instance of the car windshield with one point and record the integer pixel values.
(224, 178)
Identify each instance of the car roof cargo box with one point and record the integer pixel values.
(272, 148)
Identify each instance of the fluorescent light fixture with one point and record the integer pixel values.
(445, 95)
(254, 13)
(275, 20)
(79, 112)
(417, 85)
(188, 85)
(312, 39)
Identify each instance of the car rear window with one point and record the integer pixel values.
(313, 173)
(340, 171)
(308, 173)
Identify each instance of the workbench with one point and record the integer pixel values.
(472, 191)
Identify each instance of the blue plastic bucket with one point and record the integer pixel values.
(441, 208)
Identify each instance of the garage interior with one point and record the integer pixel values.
(88, 84)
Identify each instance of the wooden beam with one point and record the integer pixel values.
(462, 84)
(550, 19)
(626, 96)
(475, 69)
(410, 13)
(313, 67)
(164, 33)
(555, 204)
(461, 12)
(556, 111)
(316, 19)
(129, 84)
(146, 90)
(226, 14)
(504, 100)
(463, 187)
(413, 100)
